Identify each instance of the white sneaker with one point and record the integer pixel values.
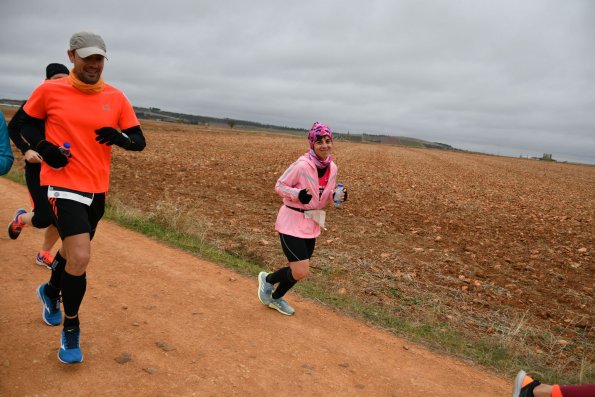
(265, 290)
(281, 306)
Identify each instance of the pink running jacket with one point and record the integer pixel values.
(300, 175)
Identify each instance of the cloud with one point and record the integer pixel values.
(519, 76)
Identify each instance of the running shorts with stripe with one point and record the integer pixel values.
(297, 249)
(73, 217)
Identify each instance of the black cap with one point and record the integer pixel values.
(55, 68)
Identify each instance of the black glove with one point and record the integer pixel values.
(304, 196)
(110, 136)
(51, 154)
(345, 197)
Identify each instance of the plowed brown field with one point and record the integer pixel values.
(490, 245)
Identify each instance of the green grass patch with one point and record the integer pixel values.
(16, 175)
(437, 336)
(440, 337)
(185, 241)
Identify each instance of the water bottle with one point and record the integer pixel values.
(337, 195)
(65, 150)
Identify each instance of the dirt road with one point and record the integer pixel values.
(193, 328)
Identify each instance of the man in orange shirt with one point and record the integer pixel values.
(91, 116)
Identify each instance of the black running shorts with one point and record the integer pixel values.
(297, 249)
(74, 218)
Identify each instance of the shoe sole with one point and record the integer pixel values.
(68, 362)
(260, 287)
(42, 263)
(518, 383)
(280, 311)
(10, 235)
(43, 310)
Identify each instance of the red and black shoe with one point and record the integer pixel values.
(15, 226)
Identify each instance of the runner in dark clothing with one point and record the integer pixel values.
(41, 215)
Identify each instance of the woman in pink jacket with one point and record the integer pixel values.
(306, 187)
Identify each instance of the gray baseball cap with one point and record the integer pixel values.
(87, 44)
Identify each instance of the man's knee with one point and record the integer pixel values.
(77, 261)
(77, 251)
(80, 257)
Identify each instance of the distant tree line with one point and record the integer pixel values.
(158, 114)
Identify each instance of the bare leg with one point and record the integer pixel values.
(26, 218)
(300, 270)
(77, 252)
(51, 233)
(50, 237)
(542, 391)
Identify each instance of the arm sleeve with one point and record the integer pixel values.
(32, 130)
(6, 156)
(137, 139)
(34, 114)
(14, 130)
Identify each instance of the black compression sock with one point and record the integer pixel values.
(283, 274)
(52, 289)
(286, 283)
(71, 322)
(73, 290)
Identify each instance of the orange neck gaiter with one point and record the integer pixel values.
(84, 87)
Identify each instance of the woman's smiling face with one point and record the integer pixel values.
(323, 147)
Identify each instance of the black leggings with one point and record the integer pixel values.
(297, 249)
(42, 216)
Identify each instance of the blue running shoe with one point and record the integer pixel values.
(70, 348)
(51, 313)
(15, 227)
(281, 306)
(265, 290)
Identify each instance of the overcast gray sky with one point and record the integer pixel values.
(509, 77)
